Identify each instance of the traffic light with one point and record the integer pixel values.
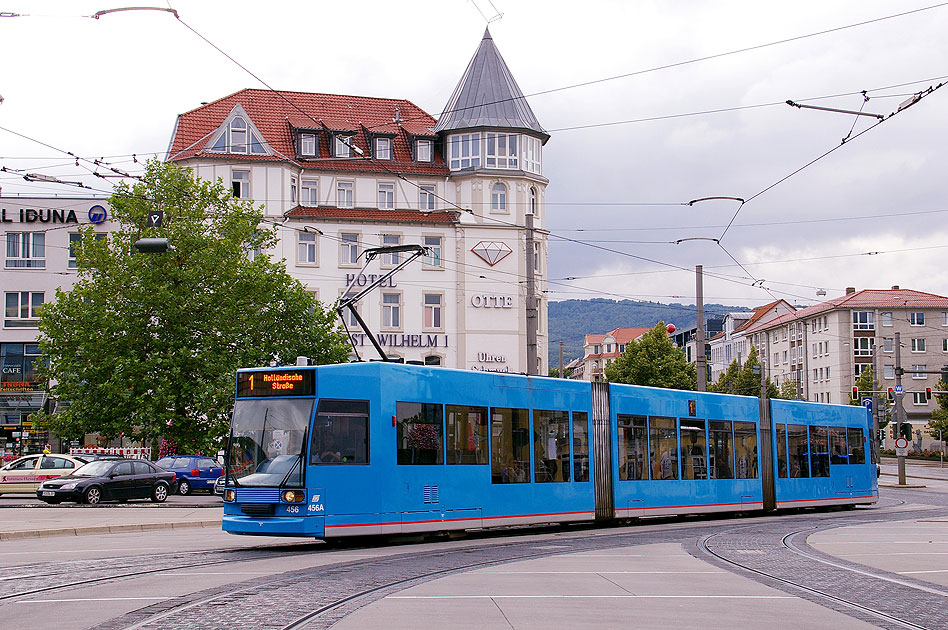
(928, 393)
(855, 393)
(153, 245)
(891, 394)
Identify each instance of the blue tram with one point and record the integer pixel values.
(385, 448)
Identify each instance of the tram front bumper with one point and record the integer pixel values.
(304, 526)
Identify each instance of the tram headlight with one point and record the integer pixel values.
(293, 496)
(230, 495)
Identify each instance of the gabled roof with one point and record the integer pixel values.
(621, 335)
(488, 96)
(867, 298)
(373, 214)
(277, 114)
(759, 312)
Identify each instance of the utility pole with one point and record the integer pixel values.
(876, 406)
(562, 370)
(899, 408)
(532, 314)
(701, 361)
(766, 439)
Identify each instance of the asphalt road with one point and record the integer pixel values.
(653, 573)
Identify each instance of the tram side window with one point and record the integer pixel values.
(467, 434)
(633, 448)
(340, 433)
(510, 445)
(857, 446)
(819, 452)
(799, 451)
(782, 451)
(745, 450)
(664, 443)
(419, 433)
(694, 445)
(550, 446)
(580, 446)
(839, 454)
(722, 462)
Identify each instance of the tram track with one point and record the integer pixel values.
(323, 594)
(819, 586)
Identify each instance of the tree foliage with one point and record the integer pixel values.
(940, 415)
(866, 384)
(148, 344)
(788, 390)
(741, 380)
(653, 360)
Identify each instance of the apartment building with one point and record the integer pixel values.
(733, 342)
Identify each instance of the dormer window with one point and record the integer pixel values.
(342, 146)
(308, 144)
(383, 148)
(423, 150)
(238, 136)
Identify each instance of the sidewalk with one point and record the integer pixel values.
(76, 520)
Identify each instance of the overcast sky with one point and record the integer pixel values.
(113, 87)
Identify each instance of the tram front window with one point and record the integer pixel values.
(267, 440)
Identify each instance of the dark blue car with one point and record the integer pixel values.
(194, 472)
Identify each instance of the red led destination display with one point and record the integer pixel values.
(276, 383)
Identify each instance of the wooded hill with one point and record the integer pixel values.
(570, 320)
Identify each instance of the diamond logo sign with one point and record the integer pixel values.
(492, 252)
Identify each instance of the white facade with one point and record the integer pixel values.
(36, 233)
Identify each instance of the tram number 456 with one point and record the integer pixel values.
(295, 509)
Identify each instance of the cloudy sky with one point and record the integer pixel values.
(626, 154)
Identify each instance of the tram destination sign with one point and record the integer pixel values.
(276, 383)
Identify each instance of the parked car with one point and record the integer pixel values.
(109, 480)
(27, 473)
(91, 457)
(195, 472)
(220, 484)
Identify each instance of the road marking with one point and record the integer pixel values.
(220, 573)
(591, 597)
(598, 572)
(57, 552)
(92, 599)
(895, 553)
(931, 571)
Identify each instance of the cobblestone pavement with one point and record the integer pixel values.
(330, 592)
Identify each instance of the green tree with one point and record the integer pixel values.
(148, 344)
(788, 390)
(742, 380)
(940, 415)
(654, 360)
(866, 384)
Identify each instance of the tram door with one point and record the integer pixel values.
(602, 452)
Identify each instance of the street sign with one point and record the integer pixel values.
(155, 217)
(901, 447)
(898, 389)
(867, 402)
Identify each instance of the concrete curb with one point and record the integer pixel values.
(897, 486)
(105, 529)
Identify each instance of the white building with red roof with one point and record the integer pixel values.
(601, 350)
(340, 174)
(732, 344)
(823, 348)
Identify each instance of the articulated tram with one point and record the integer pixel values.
(387, 448)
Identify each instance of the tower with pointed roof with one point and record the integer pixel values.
(492, 144)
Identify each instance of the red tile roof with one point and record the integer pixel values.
(621, 335)
(274, 117)
(373, 214)
(760, 311)
(867, 298)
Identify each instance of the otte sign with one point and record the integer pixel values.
(491, 301)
